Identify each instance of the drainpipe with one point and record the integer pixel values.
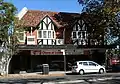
(64, 59)
(63, 50)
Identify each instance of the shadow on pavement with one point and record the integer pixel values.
(70, 73)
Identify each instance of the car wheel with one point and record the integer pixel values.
(101, 71)
(81, 72)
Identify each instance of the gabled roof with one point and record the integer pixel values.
(33, 17)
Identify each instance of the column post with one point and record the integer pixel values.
(63, 50)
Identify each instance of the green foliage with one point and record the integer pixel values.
(7, 20)
(113, 53)
(7, 15)
(102, 17)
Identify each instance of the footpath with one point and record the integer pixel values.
(34, 75)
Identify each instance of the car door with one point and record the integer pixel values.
(85, 66)
(93, 67)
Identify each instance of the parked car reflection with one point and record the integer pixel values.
(58, 65)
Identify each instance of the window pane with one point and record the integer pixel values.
(49, 34)
(30, 39)
(44, 34)
(92, 64)
(85, 63)
(40, 34)
(74, 35)
(79, 34)
(83, 34)
(53, 34)
(80, 63)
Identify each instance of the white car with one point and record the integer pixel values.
(82, 67)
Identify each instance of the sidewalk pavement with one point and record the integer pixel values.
(36, 75)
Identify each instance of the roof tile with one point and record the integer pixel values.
(61, 19)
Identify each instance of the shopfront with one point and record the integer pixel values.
(59, 58)
(46, 56)
(31, 60)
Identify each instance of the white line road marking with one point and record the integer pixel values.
(100, 79)
(74, 81)
(49, 83)
(78, 81)
(33, 83)
(65, 82)
(92, 80)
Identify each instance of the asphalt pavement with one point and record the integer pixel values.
(61, 77)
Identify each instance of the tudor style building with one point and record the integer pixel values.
(53, 36)
(80, 33)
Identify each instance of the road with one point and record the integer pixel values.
(107, 78)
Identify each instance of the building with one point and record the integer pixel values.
(54, 36)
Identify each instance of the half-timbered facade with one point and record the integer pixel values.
(51, 36)
(46, 34)
(80, 33)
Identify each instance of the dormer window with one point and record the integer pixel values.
(46, 32)
(79, 34)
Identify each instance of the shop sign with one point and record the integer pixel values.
(46, 52)
(74, 52)
(115, 61)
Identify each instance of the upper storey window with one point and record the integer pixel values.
(46, 32)
(74, 34)
(79, 33)
(79, 30)
(46, 29)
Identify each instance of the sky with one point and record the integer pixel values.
(48, 5)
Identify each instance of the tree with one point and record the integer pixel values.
(103, 18)
(7, 17)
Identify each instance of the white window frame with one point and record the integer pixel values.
(77, 37)
(46, 34)
(31, 42)
(76, 34)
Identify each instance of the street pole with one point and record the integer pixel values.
(63, 50)
(64, 59)
(64, 63)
